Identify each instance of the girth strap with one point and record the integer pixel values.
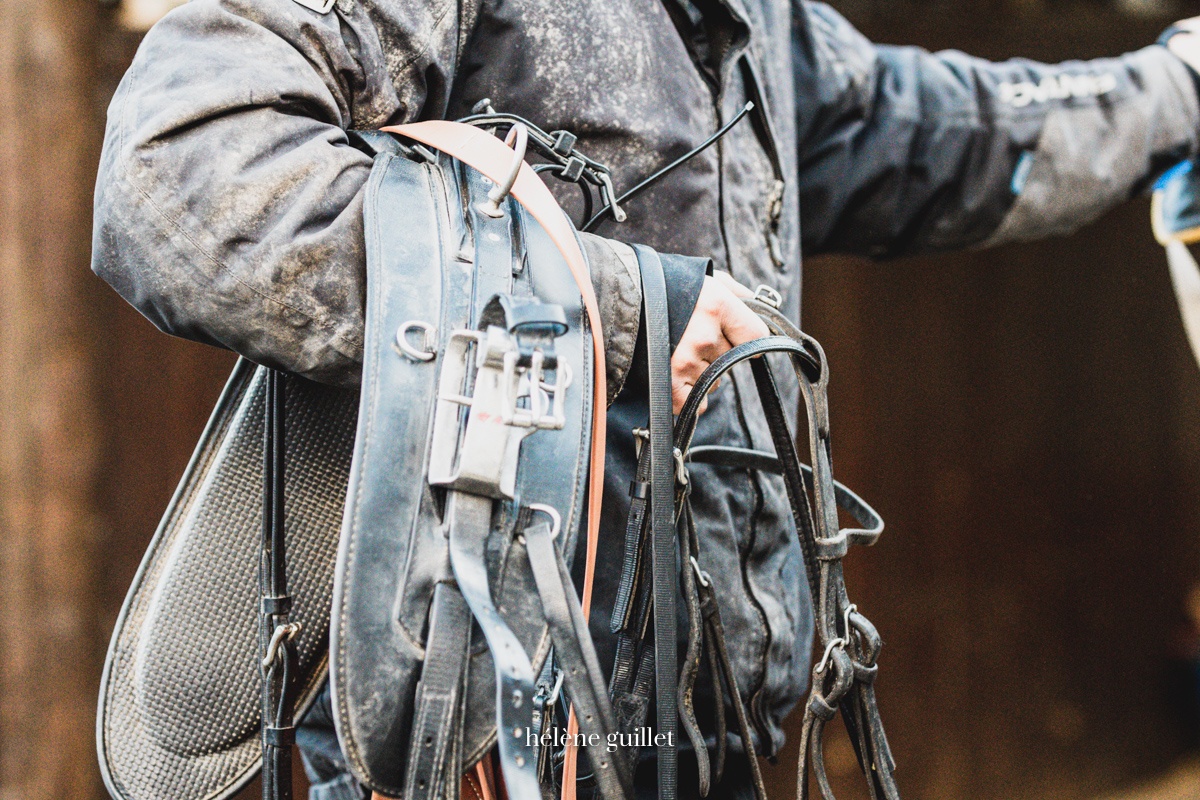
(434, 757)
(468, 520)
(490, 156)
(577, 656)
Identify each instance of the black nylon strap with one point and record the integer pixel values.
(662, 513)
(431, 754)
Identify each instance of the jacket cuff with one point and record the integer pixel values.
(618, 286)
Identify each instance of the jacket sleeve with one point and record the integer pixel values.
(902, 151)
(228, 205)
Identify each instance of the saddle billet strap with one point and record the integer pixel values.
(577, 657)
(275, 632)
(468, 520)
(491, 157)
(846, 670)
(664, 568)
(433, 761)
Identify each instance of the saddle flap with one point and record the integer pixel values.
(178, 714)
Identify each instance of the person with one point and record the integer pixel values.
(228, 204)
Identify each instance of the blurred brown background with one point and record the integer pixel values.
(1025, 419)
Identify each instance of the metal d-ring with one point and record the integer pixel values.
(402, 340)
(518, 137)
(550, 511)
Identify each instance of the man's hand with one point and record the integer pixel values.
(1184, 41)
(719, 323)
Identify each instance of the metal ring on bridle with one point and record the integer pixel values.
(407, 349)
(281, 633)
(517, 139)
(550, 511)
(838, 642)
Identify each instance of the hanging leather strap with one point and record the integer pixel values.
(577, 657)
(468, 520)
(434, 761)
(688, 551)
(662, 518)
(275, 631)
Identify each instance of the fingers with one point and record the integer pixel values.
(1186, 44)
(719, 322)
(735, 287)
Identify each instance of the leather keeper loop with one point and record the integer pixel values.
(639, 490)
(819, 708)
(279, 737)
(831, 549)
(277, 605)
(865, 674)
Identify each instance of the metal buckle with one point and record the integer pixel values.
(552, 513)
(681, 472)
(518, 138)
(547, 696)
(641, 436)
(479, 454)
(546, 400)
(768, 295)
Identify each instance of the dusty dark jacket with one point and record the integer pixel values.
(228, 207)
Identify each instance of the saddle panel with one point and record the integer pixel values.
(179, 714)
(433, 258)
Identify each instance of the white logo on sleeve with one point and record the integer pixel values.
(1057, 88)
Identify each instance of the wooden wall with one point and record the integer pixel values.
(1026, 420)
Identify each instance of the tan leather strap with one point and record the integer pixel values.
(489, 155)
